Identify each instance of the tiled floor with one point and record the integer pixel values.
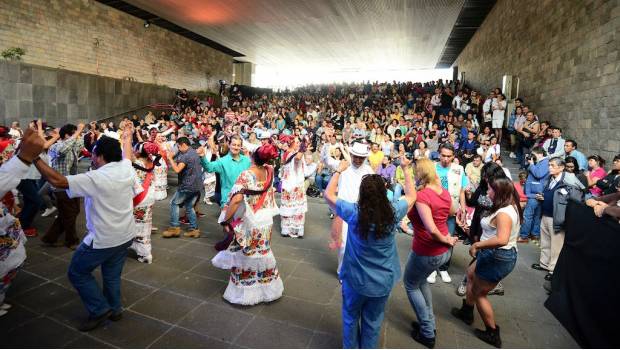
(176, 302)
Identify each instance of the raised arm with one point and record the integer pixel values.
(410, 191)
(126, 141)
(332, 188)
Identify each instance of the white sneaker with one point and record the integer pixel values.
(462, 289)
(146, 260)
(5, 306)
(445, 277)
(48, 211)
(512, 155)
(432, 278)
(3, 312)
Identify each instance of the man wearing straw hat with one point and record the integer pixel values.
(348, 190)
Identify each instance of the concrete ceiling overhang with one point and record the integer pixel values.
(333, 35)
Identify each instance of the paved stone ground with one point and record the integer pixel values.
(177, 301)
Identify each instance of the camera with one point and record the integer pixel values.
(528, 157)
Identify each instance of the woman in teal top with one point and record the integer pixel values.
(280, 123)
(370, 267)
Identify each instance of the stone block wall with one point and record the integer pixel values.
(566, 56)
(59, 96)
(88, 37)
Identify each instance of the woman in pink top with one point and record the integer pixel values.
(597, 172)
(430, 248)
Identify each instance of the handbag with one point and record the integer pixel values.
(227, 226)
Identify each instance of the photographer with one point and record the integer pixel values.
(538, 173)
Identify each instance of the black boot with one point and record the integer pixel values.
(465, 313)
(490, 336)
(428, 342)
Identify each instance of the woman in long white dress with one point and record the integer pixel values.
(254, 276)
(161, 172)
(294, 201)
(146, 157)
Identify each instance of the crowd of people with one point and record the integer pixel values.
(424, 159)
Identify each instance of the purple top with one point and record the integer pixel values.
(387, 172)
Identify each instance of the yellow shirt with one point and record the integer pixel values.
(375, 159)
(400, 176)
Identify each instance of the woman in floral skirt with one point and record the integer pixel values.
(12, 238)
(294, 202)
(254, 276)
(145, 162)
(160, 180)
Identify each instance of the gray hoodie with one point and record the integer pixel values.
(568, 188)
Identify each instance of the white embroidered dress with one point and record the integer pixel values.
(254, 276)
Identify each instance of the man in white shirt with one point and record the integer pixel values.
(15, 132)
(108, 192)
(436, 99)
(457, 100)
(349, 187)
(555, 146)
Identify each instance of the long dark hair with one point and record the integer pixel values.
(375, 211)
(505, 195)
(489, 172)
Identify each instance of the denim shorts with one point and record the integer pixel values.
(493, 265)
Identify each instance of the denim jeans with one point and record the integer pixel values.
(186, 200)
(398, 192)
(321, 181)
(451, 228)
(361, 318)
(531, 218)
(84, 261)
(32, 201)
(418, 290)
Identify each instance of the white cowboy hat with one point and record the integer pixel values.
(359, 149)
(261, 135)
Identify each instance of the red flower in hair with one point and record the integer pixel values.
(267, 152)
(286, 139)
(151, 148)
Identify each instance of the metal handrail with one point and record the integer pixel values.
(154, 106)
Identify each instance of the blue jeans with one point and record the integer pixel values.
(187, 200)
(84, 261)
(398, 192)
(531, 218)
(321, 181)
(418, 290)
(32, 201)
(361, 318)
(451, 228)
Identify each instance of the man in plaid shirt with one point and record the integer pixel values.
(64, 159)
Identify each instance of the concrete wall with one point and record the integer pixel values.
(566, 55)
(88, 37)
(59, 96)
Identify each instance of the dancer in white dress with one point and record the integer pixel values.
(147, 156)
(249, 212)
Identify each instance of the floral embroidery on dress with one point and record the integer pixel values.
(254, 276)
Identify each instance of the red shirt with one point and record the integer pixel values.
(423, 242)
(519, 188)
